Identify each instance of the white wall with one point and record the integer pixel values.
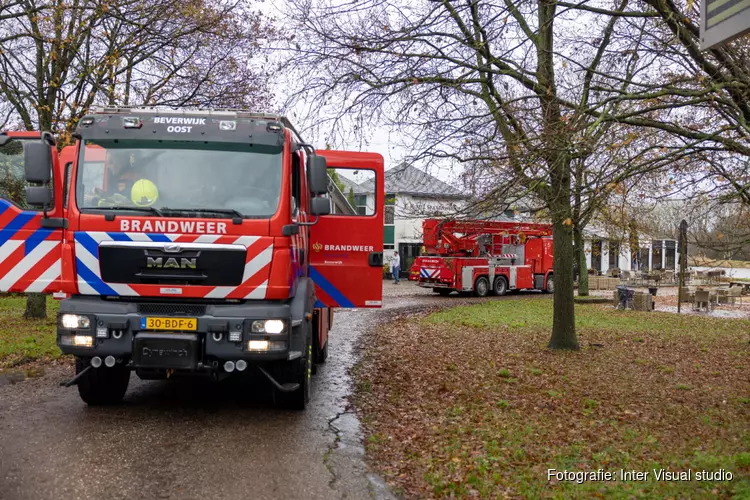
(412, 211)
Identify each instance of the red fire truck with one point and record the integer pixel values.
(189, 242)
(483, 257)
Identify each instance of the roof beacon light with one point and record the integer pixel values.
(132, 122)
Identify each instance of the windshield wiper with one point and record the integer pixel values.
(136, 209)
(231, 211)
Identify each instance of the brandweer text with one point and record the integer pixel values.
(161, 226)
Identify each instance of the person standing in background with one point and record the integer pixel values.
(395, 266)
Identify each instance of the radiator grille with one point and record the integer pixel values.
(172, 309)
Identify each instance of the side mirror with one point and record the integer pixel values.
(37, 159)
(38, 196)
(317, 175)
(320, 206)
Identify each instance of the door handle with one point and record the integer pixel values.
(375, 259)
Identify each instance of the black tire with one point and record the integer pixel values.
(297, 371)
(102, 386)
(500, 287)
(482, 287)
(444, 292)
(549, 287)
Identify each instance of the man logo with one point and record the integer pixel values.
(317, 246)
(172, 248)
(171, 263)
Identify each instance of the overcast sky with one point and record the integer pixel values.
(377, 139)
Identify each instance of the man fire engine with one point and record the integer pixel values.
(221, 257)
(483, 257)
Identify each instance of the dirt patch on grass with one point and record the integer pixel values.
(469, 402)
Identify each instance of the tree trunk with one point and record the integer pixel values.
(563, 319)
(580, 256)
(36, 306)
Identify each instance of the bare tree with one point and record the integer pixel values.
(511, 85)
(59, 57)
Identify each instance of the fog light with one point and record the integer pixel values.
(96, 361)
(75, 321)
(241, 365)
(235, 336)
(109, 361)
(257, 345)
(229, 366)
(83, 341)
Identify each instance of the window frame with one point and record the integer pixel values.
(50, 186)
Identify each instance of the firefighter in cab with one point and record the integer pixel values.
(126, 187)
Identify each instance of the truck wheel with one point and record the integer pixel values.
(501, 286)
(550, 288)
(297, 371)
(482, 287)
(102, 386)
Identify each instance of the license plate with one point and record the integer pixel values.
(184, 324)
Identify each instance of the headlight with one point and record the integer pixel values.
(75, 321)
(272, 326)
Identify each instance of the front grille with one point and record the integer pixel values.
(172, 309)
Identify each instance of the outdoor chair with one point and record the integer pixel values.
(733, 294)
(687, 294)
(703, 299)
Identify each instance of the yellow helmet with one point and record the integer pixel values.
(144, 193)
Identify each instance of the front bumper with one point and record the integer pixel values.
(215, 333)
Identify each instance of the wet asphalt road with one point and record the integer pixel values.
(196, 439)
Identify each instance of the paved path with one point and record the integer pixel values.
(196, 439)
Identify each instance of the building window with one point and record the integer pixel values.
(596, 255)
(389, 216)
(670, 255)
(614, 255)
(360, 204)
(389, 247)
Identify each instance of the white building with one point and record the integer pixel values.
(603, 254)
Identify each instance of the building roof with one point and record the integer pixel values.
(406, 179)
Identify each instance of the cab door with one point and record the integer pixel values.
(31, 218)
(346, 246)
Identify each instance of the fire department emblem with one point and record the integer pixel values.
(317, 246)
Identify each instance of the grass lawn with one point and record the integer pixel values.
(469, 402)
(23, 340)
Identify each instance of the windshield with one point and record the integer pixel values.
(192, 178)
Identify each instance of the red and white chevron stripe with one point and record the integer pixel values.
(37, 271)
(254, 281)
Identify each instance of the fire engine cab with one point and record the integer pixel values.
(483, 257)
(187, 241)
